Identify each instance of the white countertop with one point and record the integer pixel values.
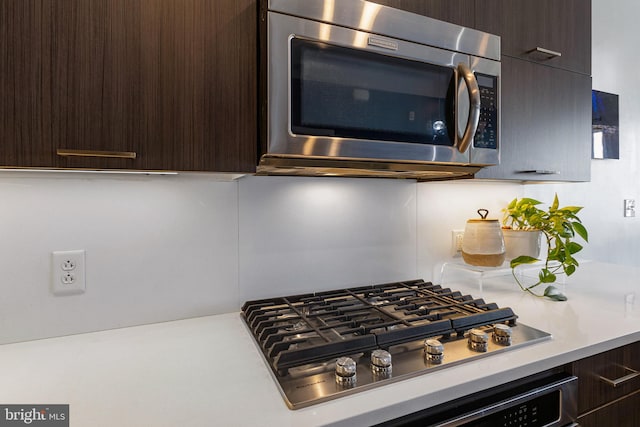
(208, 372)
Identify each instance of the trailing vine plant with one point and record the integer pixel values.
(559, 226)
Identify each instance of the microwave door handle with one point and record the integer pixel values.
(474, 106)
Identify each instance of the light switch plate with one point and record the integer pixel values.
(629, 207)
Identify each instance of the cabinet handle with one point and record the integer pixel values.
(619, 381)
(93, 153)
(540, 172)
(550, 53)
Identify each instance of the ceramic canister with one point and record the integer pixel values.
(483, 242)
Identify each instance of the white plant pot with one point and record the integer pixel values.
(522, 242)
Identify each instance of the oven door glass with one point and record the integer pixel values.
(353, 93)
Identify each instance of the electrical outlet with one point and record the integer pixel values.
(67, 272)
(456, 242)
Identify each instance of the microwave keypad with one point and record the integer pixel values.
(487, 133)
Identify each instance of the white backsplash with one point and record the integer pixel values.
(157, 248)
(446, 206)
(303, 234)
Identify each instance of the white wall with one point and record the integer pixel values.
(168, 247)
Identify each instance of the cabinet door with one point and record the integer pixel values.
(169, 82)
(25, 117)
(461, 12)
(524, 25)
(545, 124)
(622, 413)
(595, 391)
(94, 94)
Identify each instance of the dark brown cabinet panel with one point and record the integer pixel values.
(546, 124)
(461, 12)
(612, 365)
(609, 389)
(173, 81)
(622, 413)
(25, 118)
(546, 92)
(524, 25)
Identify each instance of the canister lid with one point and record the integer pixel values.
(483, 217)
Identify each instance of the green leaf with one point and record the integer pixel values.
(582, 232)
(563, 229)
(570, 269)
(555, 204)
(523, 259)
(574, 247)
(546, 276)
(529, 201)
(572, 209)
(553, 293)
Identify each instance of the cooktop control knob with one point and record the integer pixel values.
(502, 334)
(381, 362)
(478, 340)
(345, 371)
(433, 351)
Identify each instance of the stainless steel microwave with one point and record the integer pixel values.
(354, 88)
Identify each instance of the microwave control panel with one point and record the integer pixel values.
(487, 133)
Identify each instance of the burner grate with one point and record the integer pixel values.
(309, 328)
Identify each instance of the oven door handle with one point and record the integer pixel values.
(567, 388)
(474, 106)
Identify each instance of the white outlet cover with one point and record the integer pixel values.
(68, 272)
(456, 242)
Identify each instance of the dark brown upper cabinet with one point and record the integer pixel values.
(143, 84)
(540, 30)
(546, 97)
(546, 124)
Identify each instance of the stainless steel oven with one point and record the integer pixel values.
(354, 85)
(548, 400)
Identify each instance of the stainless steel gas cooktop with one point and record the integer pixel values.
(324, 345)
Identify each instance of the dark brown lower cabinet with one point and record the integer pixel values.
(609, 388)
(621, 413)
(147, 84)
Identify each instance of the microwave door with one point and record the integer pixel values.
(334, 94)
